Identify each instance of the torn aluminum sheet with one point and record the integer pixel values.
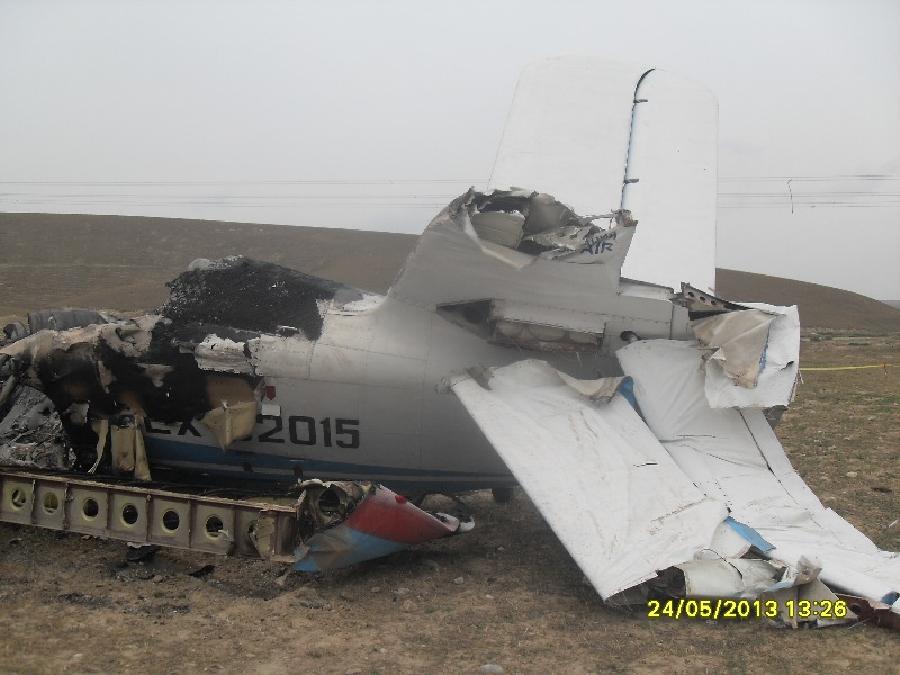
(350, 522)
(727, 578)
(127, 449)
(701, 304)
(607, 246)
(589, 469)
(765, 580)
(738, 340)
(230, 423)
(538, 224)
(817, 597)
(733, 455)
(779, 367)
(223, 355)
(125, 440)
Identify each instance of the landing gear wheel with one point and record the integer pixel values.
(503, 495)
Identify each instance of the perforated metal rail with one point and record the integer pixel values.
(149, 516)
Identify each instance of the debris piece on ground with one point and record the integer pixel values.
(349, 522)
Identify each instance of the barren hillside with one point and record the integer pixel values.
(820, 306)
(123, 262)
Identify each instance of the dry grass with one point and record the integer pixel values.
(849, 421)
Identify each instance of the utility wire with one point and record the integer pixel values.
(392, 181)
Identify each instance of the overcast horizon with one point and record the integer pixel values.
(374, 116)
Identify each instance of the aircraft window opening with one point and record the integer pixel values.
(18, 498)
(171, 521)
(129, 514)
(214, 527)
(90, 508)
(51, 503)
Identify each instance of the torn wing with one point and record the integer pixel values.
(598, 475)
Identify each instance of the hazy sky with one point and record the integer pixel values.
(301, 113)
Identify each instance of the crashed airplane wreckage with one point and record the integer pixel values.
(511, 349)
(681, 420)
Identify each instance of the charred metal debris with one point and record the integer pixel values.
(78, 388)
(202, 355)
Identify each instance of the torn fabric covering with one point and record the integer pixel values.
(352, 523)
(733, 455)
(591, 470)
(778, 360)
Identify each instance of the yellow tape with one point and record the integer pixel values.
(880, 365)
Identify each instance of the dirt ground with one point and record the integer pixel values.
(505, 594)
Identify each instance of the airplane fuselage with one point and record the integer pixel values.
(364, 402)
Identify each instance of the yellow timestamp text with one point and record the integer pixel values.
(733, 608)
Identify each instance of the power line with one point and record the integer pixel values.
(390, 181)
(385, 181)
(825, 178)
(230, 193)
(274, 181)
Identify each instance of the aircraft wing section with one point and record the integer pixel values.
(606, 486)
(574, 126)
(733, 454)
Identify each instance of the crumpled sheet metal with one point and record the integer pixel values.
(739, 340)
(734, 456)
(779, 369)
(589, 469)
(753, 578)
(222, 355)
(129, 455)
(230, 423)
(762, 341)
(728, 577)
(537, 224)
(362, 523)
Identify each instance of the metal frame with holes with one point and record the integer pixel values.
(149, 516)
